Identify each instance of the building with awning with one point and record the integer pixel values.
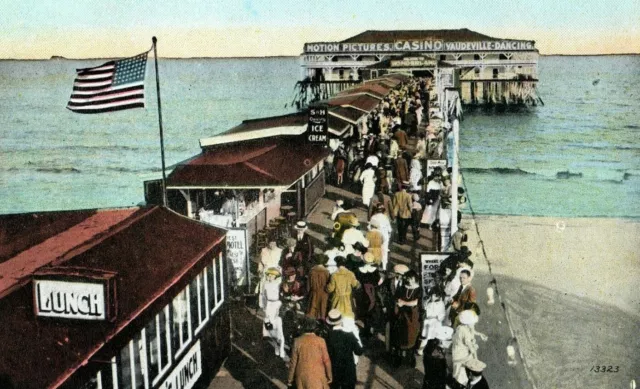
(492, 69)
(112, 298)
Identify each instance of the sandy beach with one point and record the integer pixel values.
(569, 289)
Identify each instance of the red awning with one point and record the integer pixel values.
(252, 164)
(150, 249)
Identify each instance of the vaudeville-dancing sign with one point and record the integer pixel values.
(318, 127)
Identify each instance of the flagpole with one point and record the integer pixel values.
(164, 176)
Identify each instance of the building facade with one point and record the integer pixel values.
(488, 69)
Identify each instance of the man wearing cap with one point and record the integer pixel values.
(402, 211)
(474, 369)
(342, 346)
(317, 285)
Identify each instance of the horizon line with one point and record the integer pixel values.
(54, 57)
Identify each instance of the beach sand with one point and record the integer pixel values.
(569, 288)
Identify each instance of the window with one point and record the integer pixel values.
(443, 57)
(502, 57)
(94, 382)
(157, 341)
(131, 365)
(495, 73)
(218, 284)
(180, 321)
(198, 301)
(476, 57)
(476, 71)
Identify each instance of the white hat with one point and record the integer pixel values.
(301, 225)
(334, 317)
(475, 365)
(339, 203)
(468, 317)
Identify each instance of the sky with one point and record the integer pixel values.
(231, 28)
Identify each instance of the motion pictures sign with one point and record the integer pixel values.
(418, 46)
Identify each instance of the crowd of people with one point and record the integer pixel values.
(323, 308)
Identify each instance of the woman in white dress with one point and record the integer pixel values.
(368, 180)
(272, 328)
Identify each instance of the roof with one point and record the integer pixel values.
(291, 124)
(362, 102)
(337, 126)
(149, 248)
(268, 162)
(382, 36)
(348, 114)
(374, 88)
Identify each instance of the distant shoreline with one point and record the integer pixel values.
(55, 57)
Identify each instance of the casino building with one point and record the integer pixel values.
(485, 69)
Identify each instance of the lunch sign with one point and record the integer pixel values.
(417, 46)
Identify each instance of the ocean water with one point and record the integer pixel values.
(52, 159)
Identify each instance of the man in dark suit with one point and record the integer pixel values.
(466, 294)
(342, 346)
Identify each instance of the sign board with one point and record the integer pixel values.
(413, 62)
(429, 265)
(187, 371)
(74, 293)
(318, 127)
(433, 163)
(237, 254)
(70, 300)
(417, 46)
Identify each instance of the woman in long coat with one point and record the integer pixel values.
(464, 347)
(310, 366)
(407, 317)
(341, 285)
(376, 241)
(318, 296)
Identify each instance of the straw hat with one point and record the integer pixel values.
(334, 317)
(272, 271)
(468, 317)
(400, 269)
(475, 365)
(369, 258)
(301, 225)
(416, 197)
(339, 203)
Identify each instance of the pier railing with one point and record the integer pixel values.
(309, 91)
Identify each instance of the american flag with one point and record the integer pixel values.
(113, 86)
